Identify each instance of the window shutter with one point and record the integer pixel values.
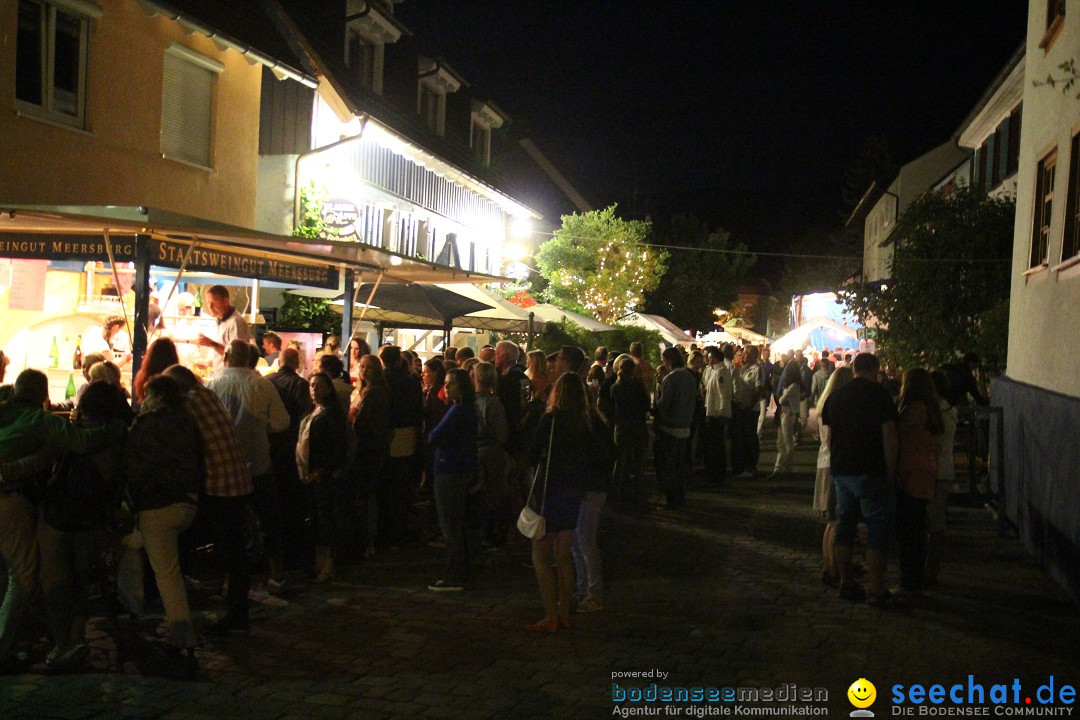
(186, 110)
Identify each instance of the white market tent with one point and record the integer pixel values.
(668, 330)
(717, 337)
(801, 336)
(550, 313)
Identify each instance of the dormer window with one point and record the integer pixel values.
(369, 27)
(485, 118)
(436, 80)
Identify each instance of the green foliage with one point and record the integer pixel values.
(311, 224)
(1068, 82)
(556, 335)
(311, 314)
(931, 310)
(600, 265)
(700, 278)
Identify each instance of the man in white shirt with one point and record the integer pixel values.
(257, 411)
(718, 386)
(231, 323)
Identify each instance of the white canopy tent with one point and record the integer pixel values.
(716, 337)
(800, 336)
(668, 330)
(550, 313)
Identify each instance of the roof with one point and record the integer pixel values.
(1014, 60)
(551, 313)
(242, 25)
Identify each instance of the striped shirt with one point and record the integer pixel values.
(226, 469)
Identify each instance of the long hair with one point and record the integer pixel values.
(379, 379)
(464, 385)
(918, 386)
(569, 400)
(162, 354)
(839, 378)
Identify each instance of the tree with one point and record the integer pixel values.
(599, 264)
(950, 282)
(702, 274)
(803, 275)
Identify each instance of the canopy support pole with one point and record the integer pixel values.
(532, 331)
(350, 289)
(139, 339)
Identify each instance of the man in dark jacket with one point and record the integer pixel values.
(26, 429)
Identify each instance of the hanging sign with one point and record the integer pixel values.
(167, 253)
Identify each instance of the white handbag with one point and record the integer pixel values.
(530, 522)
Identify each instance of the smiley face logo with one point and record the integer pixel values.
(862, 693)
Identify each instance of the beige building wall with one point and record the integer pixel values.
(1044, 320)
(117, 159)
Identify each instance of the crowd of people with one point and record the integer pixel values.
(284, 472)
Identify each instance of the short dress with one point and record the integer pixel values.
(557, 495)
(824, 489)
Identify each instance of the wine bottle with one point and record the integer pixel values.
(76, 360)
(70, 391)
(54, 354)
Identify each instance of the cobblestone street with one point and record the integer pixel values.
(725, 593)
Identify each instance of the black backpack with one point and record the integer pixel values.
(77, 497)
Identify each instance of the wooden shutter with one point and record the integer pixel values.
(186, 110)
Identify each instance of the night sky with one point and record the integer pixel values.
(744, 112)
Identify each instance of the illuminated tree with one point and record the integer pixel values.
(599, 264)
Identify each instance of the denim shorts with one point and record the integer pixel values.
(871, 494)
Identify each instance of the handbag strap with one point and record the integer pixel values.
(547, 469)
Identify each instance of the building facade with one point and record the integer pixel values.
(118, 103)
(914, 179)
(1040, 394)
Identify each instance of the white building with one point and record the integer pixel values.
(1040, 394)
(914, 179)
(992, 131)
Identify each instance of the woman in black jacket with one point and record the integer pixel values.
(563, 450)
(371, 427)
(322, 454)
(165, 470)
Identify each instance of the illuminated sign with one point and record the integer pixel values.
(168, 254)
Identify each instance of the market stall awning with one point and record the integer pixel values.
(499, 314)
(658, 323)
(550, 313)
(717, 337)
(748, 335)
(821, 333)
(78, 232)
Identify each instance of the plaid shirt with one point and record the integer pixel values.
(226, 470)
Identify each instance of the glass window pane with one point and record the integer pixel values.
(28, 55)
(66, 64)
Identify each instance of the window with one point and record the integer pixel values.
(480, 141)
(1055, 21)
(50, 58)
(187, 105)
(1055, 12)
(430, 109)
(1070, 244)
(1044, 206)
(1014, 140)
(360, 58)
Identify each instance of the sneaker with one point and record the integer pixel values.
(444, 586)
(61, 660)
(590, 604)
(746, 474)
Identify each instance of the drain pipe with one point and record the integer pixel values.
(310, 153)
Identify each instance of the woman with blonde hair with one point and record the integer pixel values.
(536, 369)
(824, 490)
(562, 449)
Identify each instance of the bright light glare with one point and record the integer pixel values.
(395, 260)
(513, 251)
(521, 226)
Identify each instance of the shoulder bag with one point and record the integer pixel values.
(530, 522)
